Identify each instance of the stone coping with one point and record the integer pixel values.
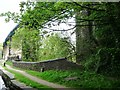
(52, 60)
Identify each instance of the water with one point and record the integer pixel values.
(2, 85)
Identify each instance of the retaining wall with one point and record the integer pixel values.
(58, 64)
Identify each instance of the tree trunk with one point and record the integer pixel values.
(83, 36)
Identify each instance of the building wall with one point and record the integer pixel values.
(13, 53)
(16, 52)
(5, 52)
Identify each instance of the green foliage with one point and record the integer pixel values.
(54, 47)
(30, 45)
(106, 61)
(9, 62)
(107, 34)
(101, 42)
(17, 37)
(38, 14)
(51, 47)
(109, 61)
(27, 42)
(82, 79)
(35, 16)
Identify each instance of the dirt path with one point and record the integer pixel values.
(38, 80)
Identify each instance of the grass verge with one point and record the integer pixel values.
(29, 82)
(9, 62)
(77, 79)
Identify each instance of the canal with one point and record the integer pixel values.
(2, 84)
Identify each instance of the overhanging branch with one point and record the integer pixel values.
(61, 29)
(88, 7)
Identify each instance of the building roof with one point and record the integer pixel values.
(10, 35)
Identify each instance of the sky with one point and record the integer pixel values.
(5, 6)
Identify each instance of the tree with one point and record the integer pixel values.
(54, 47)
(28, 43)
(97, 28)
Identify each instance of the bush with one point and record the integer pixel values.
(106, 61)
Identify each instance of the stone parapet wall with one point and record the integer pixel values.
(58, 64)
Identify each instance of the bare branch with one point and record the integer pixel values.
(61, 29)
(88, 7)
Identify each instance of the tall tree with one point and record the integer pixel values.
(97, 27)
